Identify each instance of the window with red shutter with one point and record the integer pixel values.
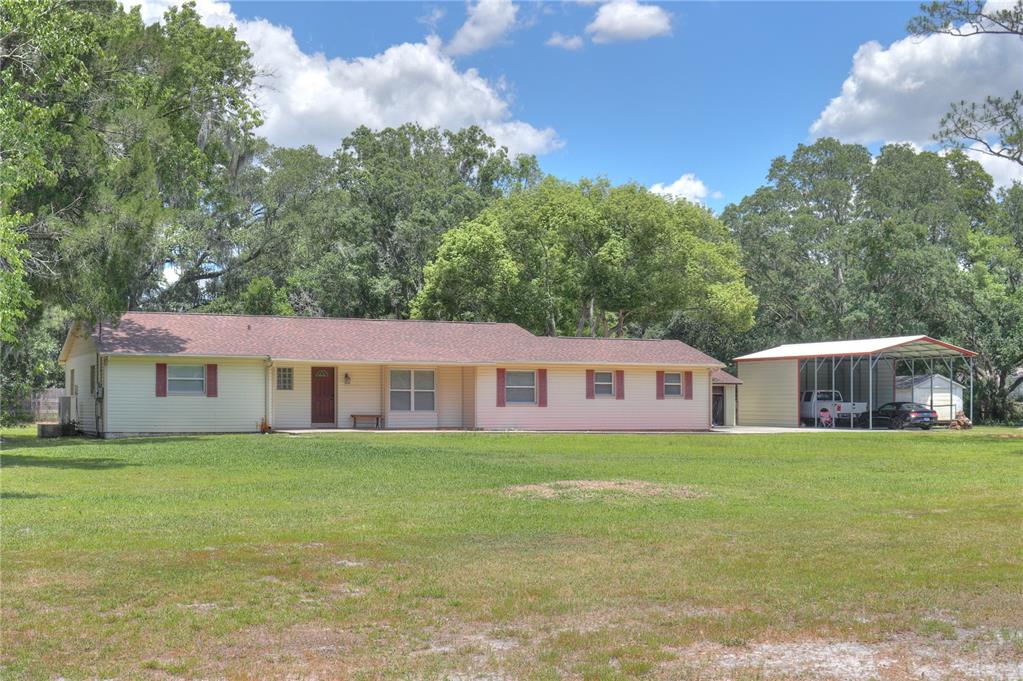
(689, 385)
(541, 387)
(590, 390)
(500, 387)
(660, 385)
(619, 384)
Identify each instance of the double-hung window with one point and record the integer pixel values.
(413, 390)
(520, 387)
(186, 379)
(285, 378)
(673, 385)
(604, 383)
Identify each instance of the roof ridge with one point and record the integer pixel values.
(318, 317)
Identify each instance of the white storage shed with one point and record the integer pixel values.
(941, 393)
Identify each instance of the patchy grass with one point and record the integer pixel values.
(858, 555)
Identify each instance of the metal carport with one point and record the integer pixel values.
(853, 367)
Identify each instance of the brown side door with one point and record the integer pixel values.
(323, 395)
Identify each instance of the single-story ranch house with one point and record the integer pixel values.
(198, 373)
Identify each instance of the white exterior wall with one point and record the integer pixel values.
(469, 397)
(770, 393)
(568, 409)
(84, 405)
(449, 397)
(133, 407)
(360, 396)
(292, 408)
(729, 404)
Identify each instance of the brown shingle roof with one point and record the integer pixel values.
(722, 377)
(372, 340)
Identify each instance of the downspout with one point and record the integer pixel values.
(267, 364)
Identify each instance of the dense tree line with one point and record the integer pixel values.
(132, 179)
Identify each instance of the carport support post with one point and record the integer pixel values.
(813, 402)
(951, 393)
(971, 390)
(870, 392)
(930, 374)
(852, 388)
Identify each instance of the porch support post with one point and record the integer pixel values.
(951, 392)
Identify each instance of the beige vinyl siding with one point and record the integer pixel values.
(568, 409)
(770, 392)
(362, 395)
(469, 397)
(730, 391)
(132, 405)
(84, 405)
(292, 408)
(449, 397)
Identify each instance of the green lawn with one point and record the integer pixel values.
(369, 555)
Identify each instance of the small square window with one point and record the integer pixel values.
(285, 378)
(673, 385)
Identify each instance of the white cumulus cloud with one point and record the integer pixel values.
(688, 186)
(309, 98)
(900, 92)
(567, 42)
(488, 21)
(621, 20)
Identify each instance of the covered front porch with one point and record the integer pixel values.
(307, 396)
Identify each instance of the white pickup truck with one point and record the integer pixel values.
(840, 410)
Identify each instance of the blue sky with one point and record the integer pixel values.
(649, 92)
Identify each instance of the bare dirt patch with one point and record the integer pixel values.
(597, 489)
(898, 659)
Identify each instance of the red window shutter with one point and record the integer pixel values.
(660, 385)
(500, 387)
(689, 384)
(619, 384)
(211, 380)
(541, 387)
(161, 380)
(590, 392)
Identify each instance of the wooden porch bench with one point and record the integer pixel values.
(377, 419)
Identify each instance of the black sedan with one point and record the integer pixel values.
(898, 415)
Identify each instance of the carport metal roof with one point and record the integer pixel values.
(895, 347)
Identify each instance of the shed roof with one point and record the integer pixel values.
(722, 377)
(375, 341)
(924, 379)
(897, 347)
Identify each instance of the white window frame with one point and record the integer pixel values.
(680, 383)
(289, 383)
(411, 390)
(610, 382)
(532, 372)
(178, 393)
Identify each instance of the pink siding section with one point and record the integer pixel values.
(569, 409)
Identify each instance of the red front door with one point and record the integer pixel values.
(323, 395)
